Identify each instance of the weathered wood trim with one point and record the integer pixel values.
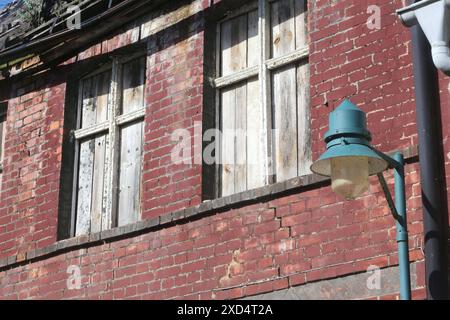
(130, 117)
(210, 111)
(218, 115)
(236, 77)
(114, 111)
(289, 58)
(265, 84)
(73, 214)
(91, 131)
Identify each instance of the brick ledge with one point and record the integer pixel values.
(202, 210)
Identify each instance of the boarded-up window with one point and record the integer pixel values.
(2, 138)
(109, 147)
(262, 94)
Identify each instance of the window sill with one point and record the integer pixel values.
(295, 185)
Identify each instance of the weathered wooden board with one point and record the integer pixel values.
(256, 137)
(240, 171)
(86, 157)
(253, 41)
(240, 49)
(283, 27)
(228, 109)
(91, 172)
(95, 91)
(279, 97)
(130, 173)
(106, 217)
(84, 192)
(285, 122)
(102, 84)
(131, 140)
(290, 91)
(97, 207)
(133, 79)
(303, 120)
(255, 114)
(88, 103)
(234, 45)
(301, 24)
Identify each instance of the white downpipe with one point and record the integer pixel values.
(441, 56)
(434, 19)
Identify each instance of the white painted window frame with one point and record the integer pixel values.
(111, 128)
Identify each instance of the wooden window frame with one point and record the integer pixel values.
(262, 71)
(111, 129)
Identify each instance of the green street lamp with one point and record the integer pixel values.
(350, 159)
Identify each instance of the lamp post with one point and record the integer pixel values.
(350, 159)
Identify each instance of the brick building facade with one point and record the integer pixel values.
(164, 229)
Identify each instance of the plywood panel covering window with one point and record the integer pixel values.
(2, 138)
(109, 139)
(262, 94)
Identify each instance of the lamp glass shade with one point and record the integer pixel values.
(322, 166)
(350, 176)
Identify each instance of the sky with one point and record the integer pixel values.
(4, 2)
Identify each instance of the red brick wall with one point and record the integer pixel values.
(371, 67)
(258, 248)
(271, 245)
(29, 206)
(174, 96)
(29, 197)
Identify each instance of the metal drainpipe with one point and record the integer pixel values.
(432, 170)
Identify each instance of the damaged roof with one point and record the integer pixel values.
(53, 41)
(29, 49)
(10, 26)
